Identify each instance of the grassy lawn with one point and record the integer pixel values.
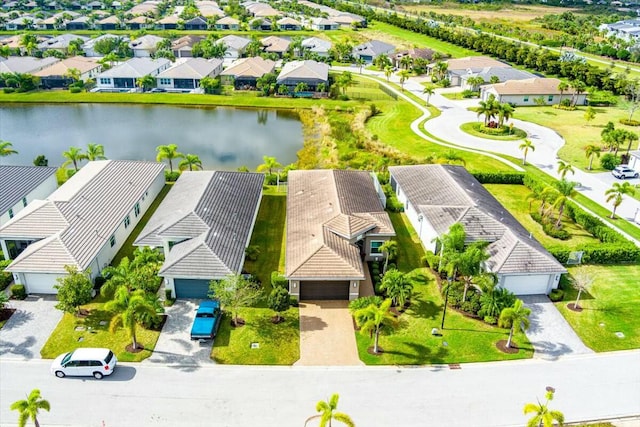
(474, 128)
(610, 307)
(514, 198)
(65, 337)
(279, 344)
(454, 96)
(411, 343)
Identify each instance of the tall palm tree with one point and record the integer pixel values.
(6, 149)
(129, 306)
(564, 168)
(404, 76)
(95, 152)
(191, 162)
(469, 264)
(389, 249)
(429, 90)
(73, 155)
(543, 416)
(270, 163)
(30, 407)
(615, 193)
(565, 190)
(328, 413)
(592, 151)
(168, 152)
(372, 318)
(450, 157)
(525, 147)
(344, 80)
(118, 276)
(396, 286)
(505, 112)
(562, 87)
(388, 70)
(512, 316)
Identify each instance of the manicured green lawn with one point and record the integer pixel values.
(411, 343)
(514, 198)
(474, 128)
(65, 338)
(611, 306)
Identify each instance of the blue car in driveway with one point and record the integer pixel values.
(207, 321)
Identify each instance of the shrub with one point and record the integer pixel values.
(279, 300)
(472, 304)
(500, 177)
(8, 89)
(252, 252)
(167, 294)
(469, 93)
(18, 292)
(608, 161)
(394, 205)
(549, 228)
(171, 176)
(490, 320)
(5, 277)
(278, 280)
(630, 122)
(364, 302)
(431, 260)
(294, 301)
(74, 89)
(556, 295)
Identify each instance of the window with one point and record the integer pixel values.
(10, 213)
(127, 221)
(165, 81)
(526, 98)
(104, 81)
(550, 98)
(24, 202)
(112, 240)
(375, 246)
(136, 209)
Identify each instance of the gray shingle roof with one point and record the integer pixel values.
(192, 68)
(77, 219)
(18, 181)
(136, 67)
(447, 194)
(205, 211)
(373, 48)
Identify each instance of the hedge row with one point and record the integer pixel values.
(500, 177)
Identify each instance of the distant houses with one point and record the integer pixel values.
(125, 75)
(186, 75)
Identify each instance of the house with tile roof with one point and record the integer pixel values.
(20, 185)
(277, 45)
(25, 64)
(57, 75)
(228, 23)
(370, 50)
(145, 46)
(199, 23)
(186, 75)
(245, 72)
(82, 224)
(324, 24)
(501, 74)
(469, 64)
(288, 24)
(437, 196)
(183, 47)
(311, 73)
(527, 92)
(124, 76)
(209, 9)
(109, 23)
(336, 222)
(317, 46)
(204, 228)
(236, 45)
(60, 43)
(89, 47)
(79, 23)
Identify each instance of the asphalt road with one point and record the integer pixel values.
(488, 394)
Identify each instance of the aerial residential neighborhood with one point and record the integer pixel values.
(319, 213)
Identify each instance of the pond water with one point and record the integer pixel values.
(223, 138)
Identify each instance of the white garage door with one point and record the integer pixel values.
(40, 283)
(528, 285)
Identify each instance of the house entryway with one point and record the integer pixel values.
(327, 337)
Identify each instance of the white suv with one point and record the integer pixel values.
(623, 172)
(85, 362)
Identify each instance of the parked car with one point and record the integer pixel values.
(207, 321)
(624, 172)
(85, 362)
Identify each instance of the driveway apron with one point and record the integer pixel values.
(174, 346)
(327, 337)
(549, 332)
(27, 331)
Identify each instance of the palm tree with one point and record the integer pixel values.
(129, 306)
(406, 62)
(270, 163)
(512, 316)
(191, 162)
(95, 152)
(544, 417)
(328, 412)
(469, 264)
(591, 151)
(450, 157)
(429, 90)
(146, 82)
(388, 70)
(6, 149)
(562, 87)
(505, 112)
(389, 249)
(565, 190)
(525, 147)
(564, 168)
(372, 318)
(581, 280)
(73, 155)
(487, 109)
(30, 407)
(344, 80)
(404, 76)
(397, 287)
(615, 193)
(168, 152)
(117, 277)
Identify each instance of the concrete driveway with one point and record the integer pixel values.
(175, 347)
(550, 334)
(327, 337)
(27, 331)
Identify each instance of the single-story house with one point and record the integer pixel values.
(288, 24)
(183, 47)
(124, 76)
(312, 73)
(474, 64)
(89, 47)
(145, 46)
(22, 23)
(94, 5)
(324, 24)
(79, 23)
(634, 160)
(209, 9)
(316, 46)
(261, 10)
(25, 64)
(277, 45)
(203, 228)
(370, 50)
(109, 23)
(144, 8)
(243, 73)
(60, 43)
(335, 223)
(502, 74)
(437, 196)
(262, 24)
(526, 92)
(236, 46)
(19, 186)
(140, 23)
(227, 23)
(414, 53)
(168, 23)
(82, 224)
(198, 23)
(57, 75)
(186, 75)
(348, 20)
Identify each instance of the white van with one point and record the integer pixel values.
(85, 362)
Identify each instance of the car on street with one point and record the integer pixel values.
(207, 321)
(624, 172)
(85, 362)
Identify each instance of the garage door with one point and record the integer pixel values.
(324, 290)
(528, 285)
(191, 288)
(41, 283)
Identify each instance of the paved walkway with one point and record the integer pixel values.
(175, 347)
(327, 337)
(28, 330)
(549, 332)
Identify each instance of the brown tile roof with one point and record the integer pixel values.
(534, 86)
(61, 68)
(474, 62)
